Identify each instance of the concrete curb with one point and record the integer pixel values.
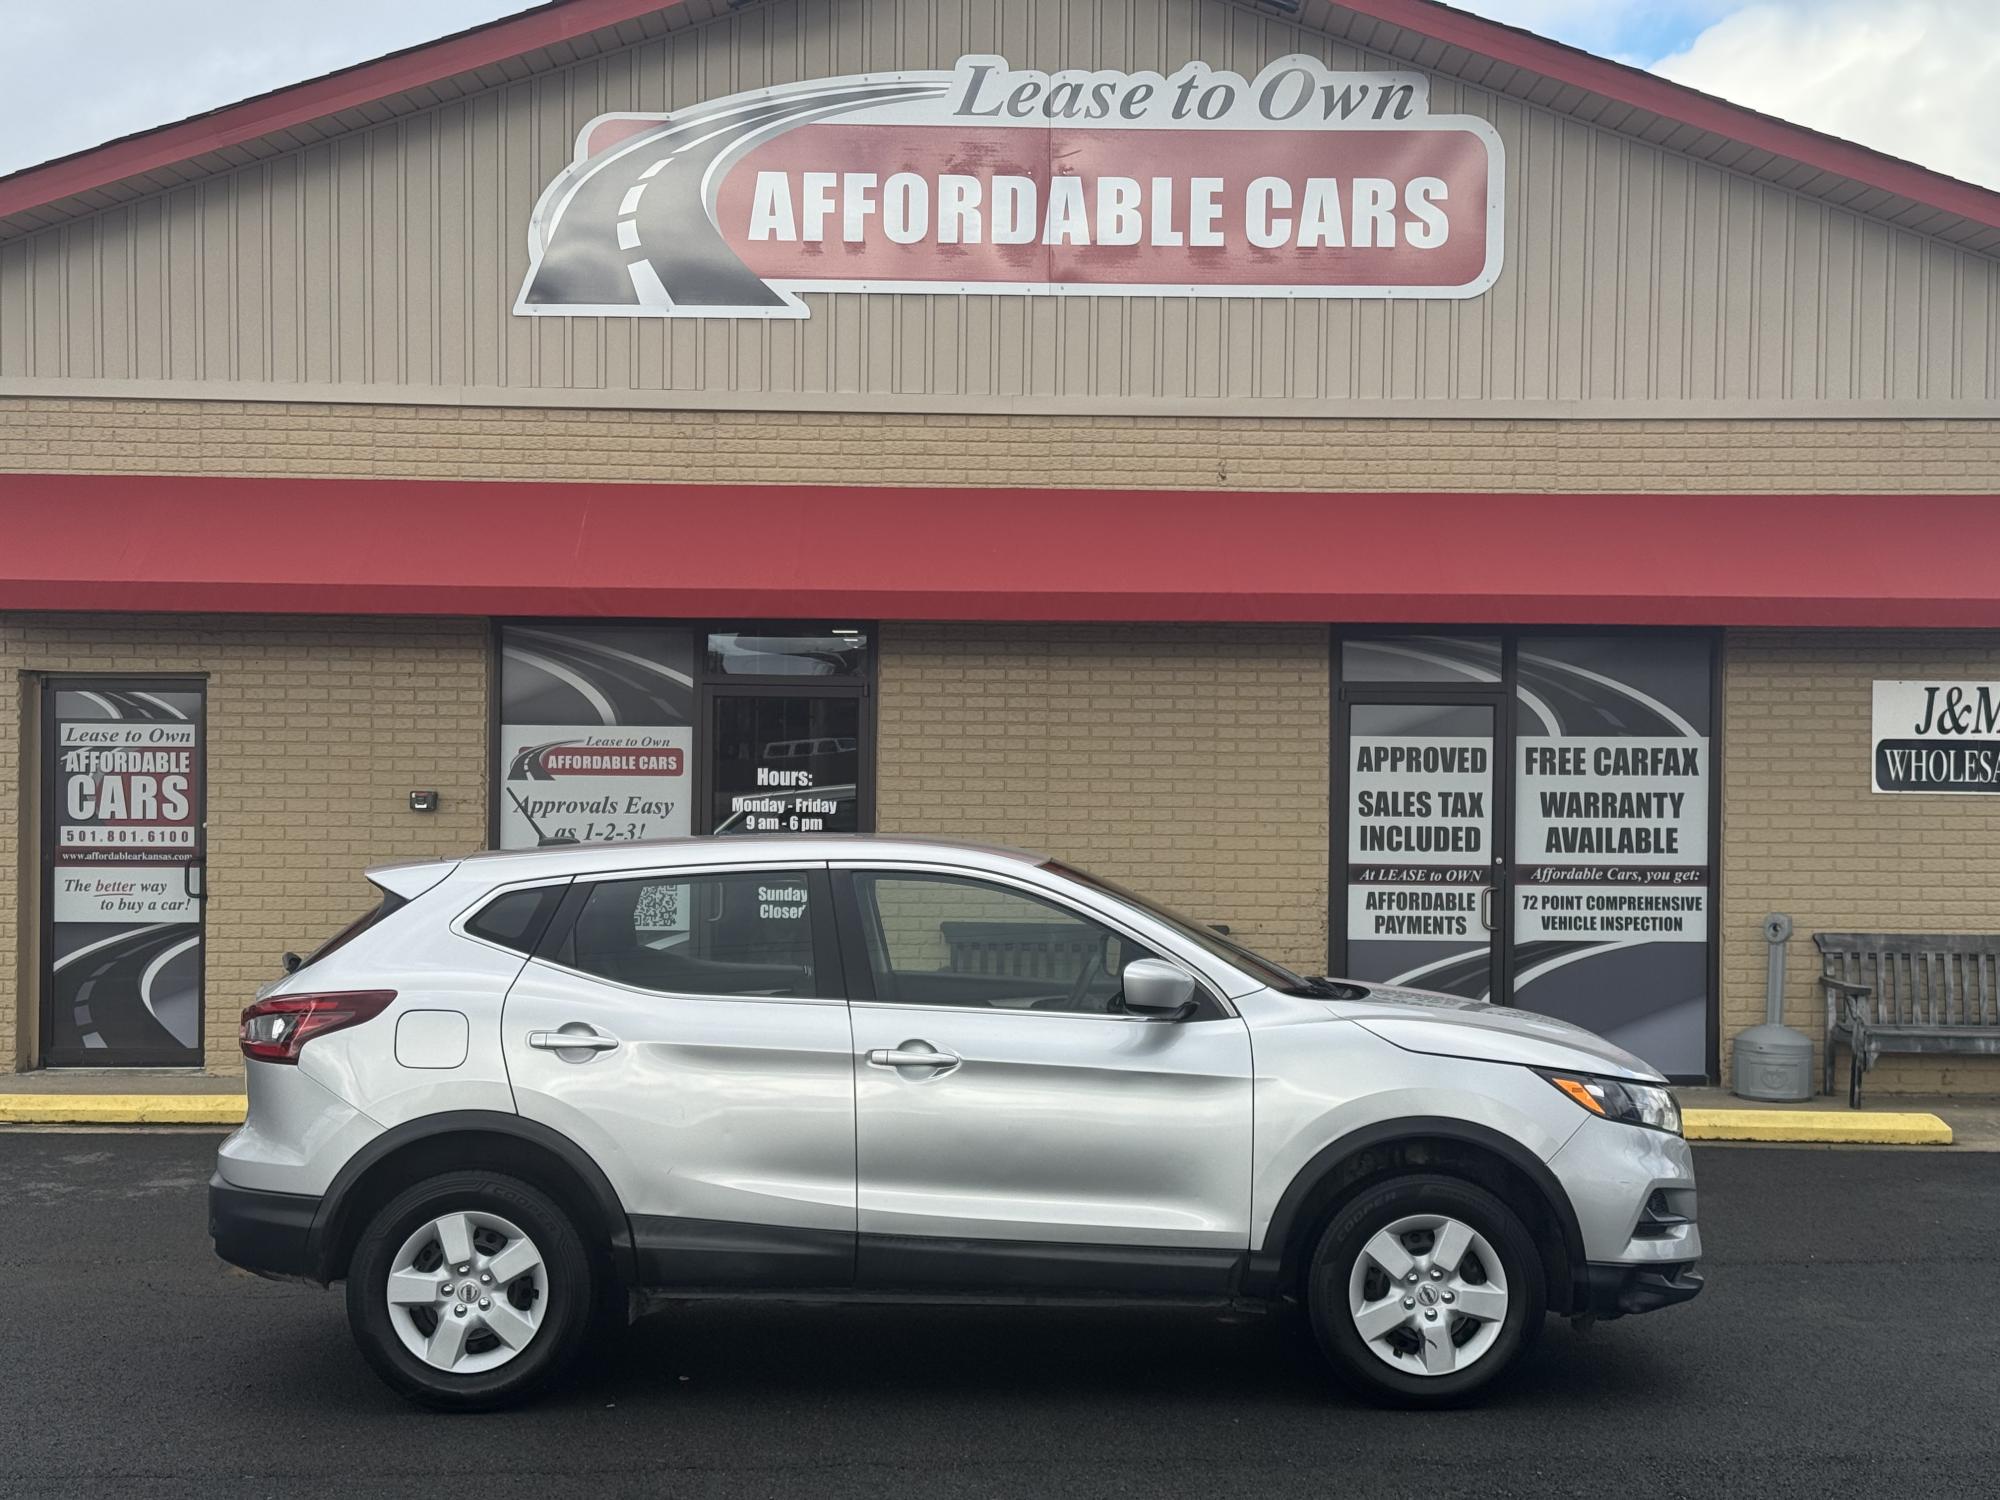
(1833, 1127)
(121, 1109)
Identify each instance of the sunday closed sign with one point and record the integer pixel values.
(1937, 737)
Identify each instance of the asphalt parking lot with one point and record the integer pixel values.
(1847, 1345)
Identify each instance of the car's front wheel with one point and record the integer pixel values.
(1423, 1289)
(467, 1291)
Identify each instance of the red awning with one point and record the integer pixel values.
(377, 546)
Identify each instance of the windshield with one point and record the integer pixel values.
(1274, 975)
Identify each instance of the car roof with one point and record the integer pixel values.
(505, 866)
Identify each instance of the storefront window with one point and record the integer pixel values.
(614, 733)
(596, 734)
(1456, 661)
(1611, 879)
(780, 651)
(1568, 871)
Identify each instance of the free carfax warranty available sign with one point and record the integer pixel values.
(1300, 182)
(1937, 737)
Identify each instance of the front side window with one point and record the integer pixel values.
(747, 934)
(947, 940)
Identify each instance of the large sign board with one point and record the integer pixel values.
(1937, 737)
(1300, 182)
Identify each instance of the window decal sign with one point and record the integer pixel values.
(596, 734)
(1300, 182)
(122, 969)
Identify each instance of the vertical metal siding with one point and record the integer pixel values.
(389, 259)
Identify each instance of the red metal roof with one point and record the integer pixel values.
(513, 36)
(417, 547)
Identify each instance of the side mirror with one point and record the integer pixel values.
(1158, 990)
(291, 962)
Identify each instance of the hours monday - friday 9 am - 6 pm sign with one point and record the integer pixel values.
(1298, 183)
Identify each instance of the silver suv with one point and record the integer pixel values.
(529, 1092)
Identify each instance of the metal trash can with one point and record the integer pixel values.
(1773, 1061)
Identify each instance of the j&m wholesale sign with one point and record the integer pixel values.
(1299, 182)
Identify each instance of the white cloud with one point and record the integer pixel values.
(1916, 78)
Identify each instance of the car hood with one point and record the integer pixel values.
(1448, 1026)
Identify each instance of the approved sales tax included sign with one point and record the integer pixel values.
(1300, 182)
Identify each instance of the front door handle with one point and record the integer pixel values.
(913, 1054)
(1486, 895)
(577, 1037)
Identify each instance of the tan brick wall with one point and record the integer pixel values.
(1190, 763)
(1803, 833)
(442, 442)
(318, 730)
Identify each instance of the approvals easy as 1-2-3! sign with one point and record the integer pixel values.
(1300, 182)
(1937, 737)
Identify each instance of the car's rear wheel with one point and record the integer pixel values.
(469, 1290)
(1423, 1289)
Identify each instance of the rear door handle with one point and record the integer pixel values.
(575, 1037)
(916, 1054)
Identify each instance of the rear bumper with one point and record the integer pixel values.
(1614, 1291)
(268, 1233)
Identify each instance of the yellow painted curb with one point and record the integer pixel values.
(121, 1109)
(1840, 1127)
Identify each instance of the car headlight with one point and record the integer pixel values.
(1646, 1104)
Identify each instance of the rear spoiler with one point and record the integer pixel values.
(411, 878)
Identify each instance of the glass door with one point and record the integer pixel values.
(1421, 864)
(785, 761)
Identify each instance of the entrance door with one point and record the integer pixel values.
(1422, 867)
(122, 854)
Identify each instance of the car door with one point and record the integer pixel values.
(688, 1028)
(1013, 1127)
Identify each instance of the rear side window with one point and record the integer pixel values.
(515, 919)
(389, 903)
(746, 934)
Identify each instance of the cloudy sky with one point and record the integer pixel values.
(1916, 78)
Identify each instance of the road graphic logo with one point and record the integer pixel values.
(1299, 183)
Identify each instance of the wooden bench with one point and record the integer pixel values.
(1908, 992)
(1023, 950)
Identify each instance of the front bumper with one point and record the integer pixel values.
(268, 1233)
(1614, 1291)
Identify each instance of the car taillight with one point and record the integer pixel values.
(273, 1030)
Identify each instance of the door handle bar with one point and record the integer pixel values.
(910, 1057)
(565, 1041)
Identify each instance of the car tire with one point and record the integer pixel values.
(484, 1336)
(1436, 1339)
